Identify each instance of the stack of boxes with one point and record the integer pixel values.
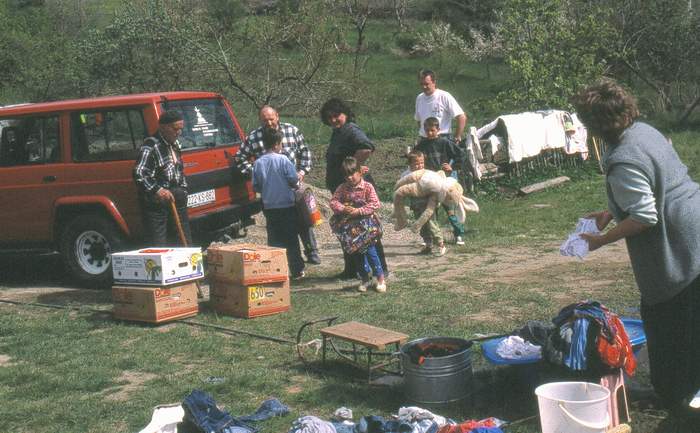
(247, 280)
(156, 285)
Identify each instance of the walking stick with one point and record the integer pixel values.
(183, 238)
(597, 153)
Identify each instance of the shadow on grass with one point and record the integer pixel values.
(309, 284)
(407, 253)
(76, 297)
(27, 269)
(499, 392)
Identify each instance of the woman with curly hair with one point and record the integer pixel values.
(347, 140)
(657, 209)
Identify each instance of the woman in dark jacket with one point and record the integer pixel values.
(657, 209)
(347, 139)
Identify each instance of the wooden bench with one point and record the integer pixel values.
(370, 337)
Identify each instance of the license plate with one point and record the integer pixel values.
(201, 198)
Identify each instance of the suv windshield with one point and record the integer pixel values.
(207, 123)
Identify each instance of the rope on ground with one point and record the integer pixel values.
(235, 331)
(184, 321)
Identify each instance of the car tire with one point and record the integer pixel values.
(86, 244)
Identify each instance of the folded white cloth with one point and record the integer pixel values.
(412, 414)
(311, 424)
(515, 347)
(165, 419)
(574, 245)
(343, 413)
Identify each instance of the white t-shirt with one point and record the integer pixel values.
(441, 105)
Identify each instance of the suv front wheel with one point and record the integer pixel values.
(86, 244)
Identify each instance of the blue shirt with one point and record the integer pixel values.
(274, 176)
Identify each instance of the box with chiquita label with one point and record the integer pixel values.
(155, 304)
(157, 266)
(249, 301)
(247, 264)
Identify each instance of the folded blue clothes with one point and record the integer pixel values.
(377, 424)
(202, 412)
(268, 409)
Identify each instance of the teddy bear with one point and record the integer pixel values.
(439, 189)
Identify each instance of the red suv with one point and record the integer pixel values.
(66, 174)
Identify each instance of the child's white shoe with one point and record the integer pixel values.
(381, 287)
(441, 250)
(362, 287)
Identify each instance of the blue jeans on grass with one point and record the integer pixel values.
(201, 410)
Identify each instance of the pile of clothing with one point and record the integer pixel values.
(584, 336)
(410, 419)
(199, 413)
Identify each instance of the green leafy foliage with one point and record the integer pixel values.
(552, 50)
(658, 42)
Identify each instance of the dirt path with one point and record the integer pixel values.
(495, 265)
(37, 278)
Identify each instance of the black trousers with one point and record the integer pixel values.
(308, 240)
(159, 223)
(672, 329)
(282, 232)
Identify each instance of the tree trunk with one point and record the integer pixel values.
(686, 114)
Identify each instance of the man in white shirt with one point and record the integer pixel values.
(437, 103)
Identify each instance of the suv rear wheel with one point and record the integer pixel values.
(86, 244)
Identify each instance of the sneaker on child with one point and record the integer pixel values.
(459, 240)
(362, 287)
(381, 287)
(441, 250)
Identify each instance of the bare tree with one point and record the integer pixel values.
(358, 11)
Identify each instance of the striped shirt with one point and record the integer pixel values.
(293, 147)
(159, 165)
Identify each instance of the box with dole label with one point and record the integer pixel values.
(249, 301)
(157, 266)
(247, 264)
(155, 304)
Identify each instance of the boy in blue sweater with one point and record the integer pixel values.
(275, 178)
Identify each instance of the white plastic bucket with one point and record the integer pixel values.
(573, 407)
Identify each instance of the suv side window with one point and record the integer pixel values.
(29, 140)
(207, 123)
(107, 135)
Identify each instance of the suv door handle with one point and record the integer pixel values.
(49, 178)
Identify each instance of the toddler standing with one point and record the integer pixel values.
(353, 201)
(430, 232)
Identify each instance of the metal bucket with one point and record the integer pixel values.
(438, 379)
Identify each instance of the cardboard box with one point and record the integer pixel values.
(157, 266)
(249, 301)
(155, 304)
(247, 264)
